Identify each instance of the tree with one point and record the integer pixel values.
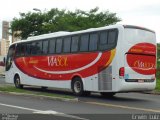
(31, 24)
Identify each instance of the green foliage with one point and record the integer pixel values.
(36, 23)
(158, 62)
(158, 84)
(158, 68)
(158, 50)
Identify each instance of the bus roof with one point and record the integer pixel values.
(48, 35)
(138, 27)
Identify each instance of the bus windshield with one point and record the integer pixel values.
(133, 36)
(10, 56)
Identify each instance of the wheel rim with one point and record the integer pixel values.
(17, 82)
(77, 87)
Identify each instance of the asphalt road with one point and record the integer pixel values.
(122, 103)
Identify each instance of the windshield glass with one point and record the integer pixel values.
(10, 57)
(133, 35)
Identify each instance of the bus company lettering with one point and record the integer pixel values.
(136, 50)
(142, 64)
(57, 61)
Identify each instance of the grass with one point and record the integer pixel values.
(158, 85)
(158, 76)
(13, 89)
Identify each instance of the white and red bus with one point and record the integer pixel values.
(111, 59)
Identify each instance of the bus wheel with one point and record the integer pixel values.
(77, 86)
(107, 94)
(17, 82)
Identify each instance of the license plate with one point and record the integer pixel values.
(140, 81)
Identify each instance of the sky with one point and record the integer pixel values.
(144, 13)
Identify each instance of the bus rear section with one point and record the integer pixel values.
(138, 72)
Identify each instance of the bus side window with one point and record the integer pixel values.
(33, 48)
(45, 47)
(67, 45)
(112, 36)
(103, 40)
(74, 44)
(52, 46)
(93, 42)
(23, 48)
(20, 50)
(59, 45)
(28, 49)
(38, 47)
(84, 42)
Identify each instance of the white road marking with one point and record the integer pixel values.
(44, 112)
(60, 114)
(18, 107)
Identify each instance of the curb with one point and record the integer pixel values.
(41, 96)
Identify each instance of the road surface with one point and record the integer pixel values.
(122, 103)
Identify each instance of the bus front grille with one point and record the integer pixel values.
(105, 79)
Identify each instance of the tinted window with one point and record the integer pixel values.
(45, 47)
(10, 56)
(20, 49)
(52, 45)
(23, 47)
(11, 51)
(59, 45)
(28, 49)
(36, 48)
(33, 48)
(67, 44)
(112, 35)
(103, 37)
(74, 45)
(103, 43)
(93, 42)
(84, 42)
(39, 47)
(107, 39)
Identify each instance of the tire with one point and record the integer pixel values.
(77, 86)
(107, 94)
(17, 82)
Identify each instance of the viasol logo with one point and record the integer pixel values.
(141, 58)
(144, 64)
(57, 61)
